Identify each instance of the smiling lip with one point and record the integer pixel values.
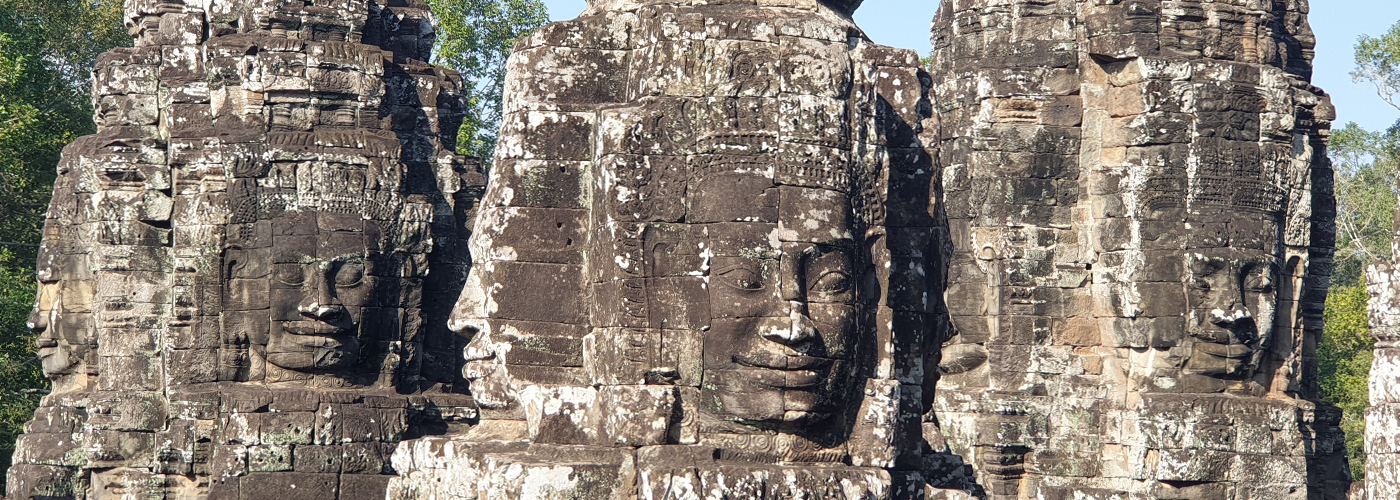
(311, 328)
(800, 372)
(788, 363)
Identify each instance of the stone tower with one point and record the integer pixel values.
(1383, 417)
(235, 289)
(722, 245)
(708, 264)
(1140, 207)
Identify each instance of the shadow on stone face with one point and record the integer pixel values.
(236, 264)
(1140, 248)
(746, 284)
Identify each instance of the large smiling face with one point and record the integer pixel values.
(768, 286)
(1231, 295)
(63, 335)
(785, 312)
(55, 354)
(321, 286)
(780, 341)
(316, 317)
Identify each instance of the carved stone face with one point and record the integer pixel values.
(63, 341)
(1231, 294)
(784, 313)
(777, 298)
(320, 285)
(55, 354)
(316, 316)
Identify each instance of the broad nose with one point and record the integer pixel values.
(795, 330)
(1238, 321)
(1227, 308)
(321, 303)
(324, 312)
(1231, 315)
(38, 322)
(43, 331)
(469, 313)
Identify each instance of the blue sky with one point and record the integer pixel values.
(905, 23)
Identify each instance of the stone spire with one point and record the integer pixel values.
(235, 288)
(1383, 417)
(1140, 203)
(708, 264)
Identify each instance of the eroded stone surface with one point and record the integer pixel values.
(713, 260)
(236, 298)
(711, 244)
(1140, 207)
(1383, 417)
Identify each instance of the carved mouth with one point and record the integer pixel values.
(804, 379)
(311, 328)
(799, 372)
(314, 335)
(783, 362)
(1231, 351)
(52, 356)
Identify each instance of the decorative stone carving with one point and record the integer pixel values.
(1383, 417)
(239, 272)
(708, 263)
(1140, 207)
(714, 259)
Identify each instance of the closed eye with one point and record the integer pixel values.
(832, 282)
(349, 274)
(741, 278)
(290, 274)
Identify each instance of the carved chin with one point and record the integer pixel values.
(490, 385)
(330, 354)
(1220, 360)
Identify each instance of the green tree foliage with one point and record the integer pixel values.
(1366, 174)
(21, 382)
(1366, 165)
(1378, 61)
(475, 37)
(1344, 364)
(47, 48)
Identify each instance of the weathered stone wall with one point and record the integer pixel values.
(235, 290)
(1383, 417)
(714, 259)
(708, 264)
(1141, 212)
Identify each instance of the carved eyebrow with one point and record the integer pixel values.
(742, 264)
